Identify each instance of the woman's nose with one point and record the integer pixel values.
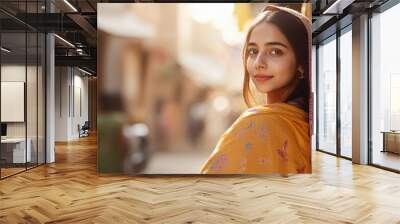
(260, 62)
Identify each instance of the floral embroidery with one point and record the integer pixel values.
(242, 165)
(248, 146)
(301, 169)
(243, 131)
(262, 161)
(252, 123)
(282, 152)
(262, 132)
(220, 162)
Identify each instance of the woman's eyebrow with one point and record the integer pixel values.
(276, 43)
(268, 43)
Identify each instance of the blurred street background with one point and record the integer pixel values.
(177, 69)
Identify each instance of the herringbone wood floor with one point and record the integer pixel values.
(70, 191)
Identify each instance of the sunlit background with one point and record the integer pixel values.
(170, 82)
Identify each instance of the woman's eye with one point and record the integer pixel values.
(276, 52)
(252, 51)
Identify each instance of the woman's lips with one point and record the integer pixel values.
(262, 78)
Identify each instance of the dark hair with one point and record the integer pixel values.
(297, 34)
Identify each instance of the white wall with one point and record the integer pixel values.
(12, 73)
(70, 83)
(16, 73)
(62, 81)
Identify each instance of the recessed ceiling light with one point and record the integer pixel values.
(337, 7)
(84, 71)
(65, 41)
(5, 50)
(70, 5)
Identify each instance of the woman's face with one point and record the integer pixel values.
(271, 61)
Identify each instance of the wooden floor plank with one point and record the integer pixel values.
(70, 191)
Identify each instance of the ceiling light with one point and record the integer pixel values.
(84, 71)
(70, 5)
(5, 50)
(65, 41)
(337, 7)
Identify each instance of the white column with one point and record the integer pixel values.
(360, 89)
(50, 92)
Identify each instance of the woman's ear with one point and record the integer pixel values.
(300, 69)
(300, 72)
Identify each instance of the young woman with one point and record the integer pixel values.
(274, 137)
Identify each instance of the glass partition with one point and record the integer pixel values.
(346, 93)
(14, 153)
(327, 96)
(23, 91)
(31, 100)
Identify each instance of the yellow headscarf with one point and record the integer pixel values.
(264, 140)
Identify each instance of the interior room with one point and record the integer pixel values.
(56, 114)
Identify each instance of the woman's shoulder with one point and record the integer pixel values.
(276, 110)
(280, 118)
(255, 116)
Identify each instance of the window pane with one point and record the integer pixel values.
(385, 89)
(313, 89)
(346, 94)
(327, 97)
